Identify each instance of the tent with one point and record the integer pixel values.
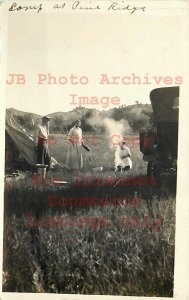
(19, 144)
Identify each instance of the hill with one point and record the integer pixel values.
(138, 117)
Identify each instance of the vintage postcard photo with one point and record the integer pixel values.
(94, 96)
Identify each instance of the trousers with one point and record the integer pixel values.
(43, 156)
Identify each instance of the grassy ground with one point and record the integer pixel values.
(120, 244)
(102, 150)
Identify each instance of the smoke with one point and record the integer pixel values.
(113, 127)
(115, 131)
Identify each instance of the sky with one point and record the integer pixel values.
(88, 45)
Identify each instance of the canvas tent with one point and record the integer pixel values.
(18, 142)
(19, 146)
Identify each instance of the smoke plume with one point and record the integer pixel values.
(113, 130)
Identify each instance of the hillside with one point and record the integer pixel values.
(137, 117)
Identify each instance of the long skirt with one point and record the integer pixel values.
(74, 159)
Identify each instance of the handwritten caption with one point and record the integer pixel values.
(84, 6)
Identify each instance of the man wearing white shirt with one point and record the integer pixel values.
(41, 141)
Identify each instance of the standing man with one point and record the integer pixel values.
(42, 142)
(74, 156)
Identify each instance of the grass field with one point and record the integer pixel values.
(102, 150)
(120, 244)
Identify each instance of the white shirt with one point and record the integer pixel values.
(75, 135)
(119, 154)
(42, 131)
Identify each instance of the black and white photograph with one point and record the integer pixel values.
(94, 95)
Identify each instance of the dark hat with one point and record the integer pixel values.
(46, 118)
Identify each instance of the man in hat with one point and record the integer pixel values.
(42, 141)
